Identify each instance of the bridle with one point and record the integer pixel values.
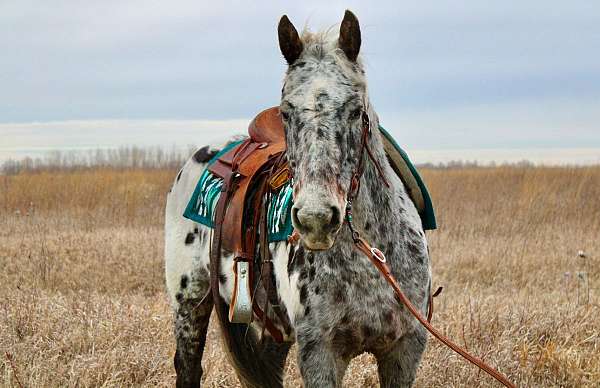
(378, 258)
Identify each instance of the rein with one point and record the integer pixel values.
(379, 261)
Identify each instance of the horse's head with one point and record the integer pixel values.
(322, 103)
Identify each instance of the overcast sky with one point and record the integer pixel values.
(442, 74)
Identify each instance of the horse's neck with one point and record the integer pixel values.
(377, 203)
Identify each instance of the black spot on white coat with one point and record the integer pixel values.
(189, 239)
(204, 154)
(184, 281)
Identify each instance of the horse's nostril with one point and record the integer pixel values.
(295, 218)
(336, 218)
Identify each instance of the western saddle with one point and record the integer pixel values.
(251, 172)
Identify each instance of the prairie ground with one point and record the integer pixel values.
(82, 299)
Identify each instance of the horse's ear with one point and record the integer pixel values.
(289, 41)
(349, 40)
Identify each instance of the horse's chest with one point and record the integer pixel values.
(356, 315)
(356, 331)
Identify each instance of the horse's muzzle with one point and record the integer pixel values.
(317, 223)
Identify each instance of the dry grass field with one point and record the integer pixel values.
(82, 300)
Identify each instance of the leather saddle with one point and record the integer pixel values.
(251, 171)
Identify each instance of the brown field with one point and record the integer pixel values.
(82, 300)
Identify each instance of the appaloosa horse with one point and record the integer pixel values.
(338, 305)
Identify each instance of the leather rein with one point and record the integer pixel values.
(379, 261)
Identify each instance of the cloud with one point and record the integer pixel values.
(498, 72)
(114, 133)
(515, 124)
(549, 122)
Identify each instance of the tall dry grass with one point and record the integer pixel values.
(82, 300)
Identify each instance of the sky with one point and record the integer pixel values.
(443, 75)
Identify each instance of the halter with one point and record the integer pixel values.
(379, 261)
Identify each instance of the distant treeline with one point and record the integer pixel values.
(151, 158)
(474, 164)
(118, 158)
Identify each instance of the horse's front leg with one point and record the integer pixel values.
(319, 365)
(398, 368)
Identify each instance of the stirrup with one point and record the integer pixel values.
(240, 309)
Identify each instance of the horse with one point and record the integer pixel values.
(337, 303)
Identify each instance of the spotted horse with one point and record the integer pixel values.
(312, 286)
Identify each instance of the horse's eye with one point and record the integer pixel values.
(355, 114)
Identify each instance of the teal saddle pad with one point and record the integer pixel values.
(201, 206)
